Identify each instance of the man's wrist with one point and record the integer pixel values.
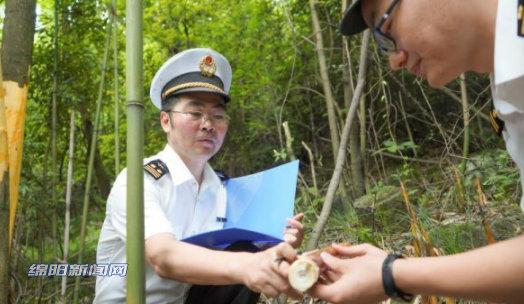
(237, 266)
(391, 289)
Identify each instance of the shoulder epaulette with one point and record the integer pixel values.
(520, 18)
(156, 168)
(222, 175)
(496, 122)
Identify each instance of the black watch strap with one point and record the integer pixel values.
(388, 282)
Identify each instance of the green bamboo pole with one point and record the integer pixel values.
(117, 95)
(135, 142)
(92, 150)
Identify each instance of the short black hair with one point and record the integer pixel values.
(169, 103)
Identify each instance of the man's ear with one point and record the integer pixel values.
(165, 121)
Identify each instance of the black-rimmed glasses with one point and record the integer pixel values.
(221, 118)
(385, 42)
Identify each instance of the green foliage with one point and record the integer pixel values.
(270, 46)
(457, 237)
(393, 147)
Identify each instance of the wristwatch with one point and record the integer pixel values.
(388, 282)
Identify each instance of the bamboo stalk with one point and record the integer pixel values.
(356, 164)
(289, 141)
(363, 137)
(68, 200)
(341, 157)
(490, 236)
(388, 102)
(312, 165)
(460, 188)
(92, 150)
(421, 240)
(291, 156)
(408, 129)
(326, 84)
(53, 125)
(466, 119)
(459, 100)
(135, 142)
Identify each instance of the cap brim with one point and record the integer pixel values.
(202, 90)
(353, 23)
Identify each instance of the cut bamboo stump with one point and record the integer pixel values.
(305, 272)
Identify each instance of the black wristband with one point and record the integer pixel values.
(388, 282)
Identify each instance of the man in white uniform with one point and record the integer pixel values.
(438, 40)
(183, 196)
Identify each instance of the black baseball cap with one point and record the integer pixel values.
(353, 23)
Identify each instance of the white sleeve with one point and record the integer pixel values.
(155, 220)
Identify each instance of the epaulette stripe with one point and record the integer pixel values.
(152, 172)
(156, 168)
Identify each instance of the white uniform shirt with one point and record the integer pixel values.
(508, 84)
(174, 204)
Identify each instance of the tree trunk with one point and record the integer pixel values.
(17, 47)
(4, 201)
(135, 153)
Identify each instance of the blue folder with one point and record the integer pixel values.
(257, 208)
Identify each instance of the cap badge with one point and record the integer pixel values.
(207, 66)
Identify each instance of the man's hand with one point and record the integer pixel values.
(294, 231)
(266, 271)
(354, 275)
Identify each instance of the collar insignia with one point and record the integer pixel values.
(207, 66)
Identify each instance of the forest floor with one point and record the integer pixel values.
(445, 203)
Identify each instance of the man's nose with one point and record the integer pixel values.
(398, 60)
(207, 124)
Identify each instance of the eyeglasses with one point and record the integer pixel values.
(385, 42)
(218, 119)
